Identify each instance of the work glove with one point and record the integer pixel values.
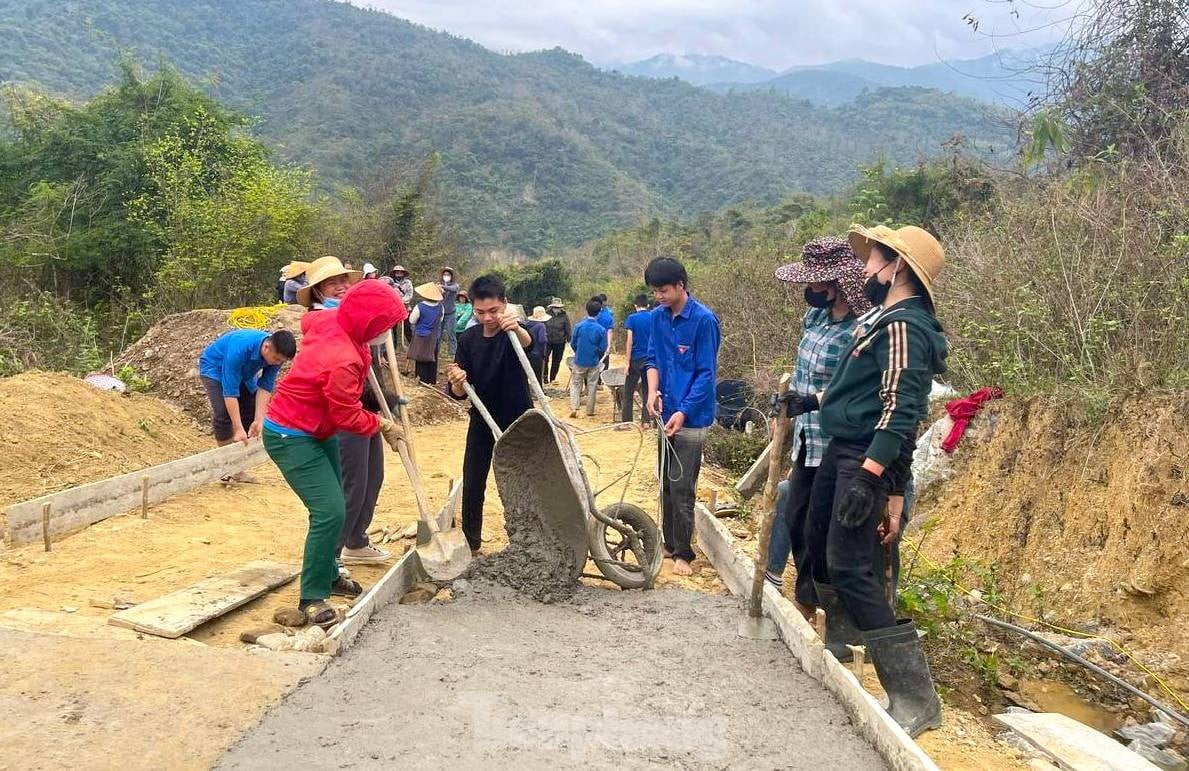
(794, 404)
(392, 432)
(864, 498)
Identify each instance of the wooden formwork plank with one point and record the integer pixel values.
(391, 586)
(78, 507)
(178, 612)
(754, 479)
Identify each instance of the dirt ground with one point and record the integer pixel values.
(493, 680)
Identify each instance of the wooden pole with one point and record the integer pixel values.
(45, 525)
(714, 501)
(144, 497)
(775, 450)
(449, 489)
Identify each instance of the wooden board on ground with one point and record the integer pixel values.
(79, 507)
(177, 613)
(755, 477)
(1073, 745)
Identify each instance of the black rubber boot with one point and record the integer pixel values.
(841, 630)
(899, 660)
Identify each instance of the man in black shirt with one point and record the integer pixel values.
(486, 359)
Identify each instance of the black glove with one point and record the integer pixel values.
(794, 404)
(864, 497)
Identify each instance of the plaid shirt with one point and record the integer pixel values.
(823, 343)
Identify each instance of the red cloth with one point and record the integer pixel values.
(963, 410)
(320, 395)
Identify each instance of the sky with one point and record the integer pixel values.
(770, 33)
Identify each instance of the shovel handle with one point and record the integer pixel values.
(398, 386)
(403, 449)
(479, 406)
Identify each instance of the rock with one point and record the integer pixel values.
(1154, 734)
(289, 617)
(417, 595)
(276, 641)
(444, 595)
(1007, 682)
(252, 635)
(460, 586)
(1065, 587)
(69, 609)
(1166, 759)
(409, 532)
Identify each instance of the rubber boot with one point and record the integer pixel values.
(899, 660)
(841, 630)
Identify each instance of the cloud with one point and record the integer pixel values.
(770, 33)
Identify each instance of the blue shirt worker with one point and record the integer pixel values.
(239, 372)
(589, 341)
(681, 368)
(639, 329)
(606, 318)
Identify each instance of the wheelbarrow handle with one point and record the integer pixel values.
(533, 383)
(474, 397)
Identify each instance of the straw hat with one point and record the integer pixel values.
(917, 246)
(294, 269)
(556, 303)
(517, 311)
(318, 271)
(399, 269)
(429, 291)
(450, 270)
(539, 314)
(830, 259)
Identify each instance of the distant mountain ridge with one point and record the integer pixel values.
(535, 151)
(698, 69)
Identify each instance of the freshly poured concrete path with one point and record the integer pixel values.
(494, 680)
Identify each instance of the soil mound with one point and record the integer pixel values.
(60, 432)
(1086, 517)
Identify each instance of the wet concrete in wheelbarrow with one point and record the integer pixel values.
(611, 678)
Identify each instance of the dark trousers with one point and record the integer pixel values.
(679, 485)
(363, 475)
(476, 464)
(538, 365)
(554, 355)
(850, 558)
(427, 371)
(634, 382)
(220, 419)
(796, 515)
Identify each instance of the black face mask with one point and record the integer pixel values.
(818, 299)
(876, 292)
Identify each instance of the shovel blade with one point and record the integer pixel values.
(446, 555)
(761, 628)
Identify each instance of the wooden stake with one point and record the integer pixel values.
(714, 501)
(819, 623)
(144, 497)
(859, 664)
(449, 489)
(45, 525)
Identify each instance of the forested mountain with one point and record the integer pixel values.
(699, 69)
(536, 150)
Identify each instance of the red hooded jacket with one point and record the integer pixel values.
(320, 395)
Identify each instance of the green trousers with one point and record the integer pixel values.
(312, 469)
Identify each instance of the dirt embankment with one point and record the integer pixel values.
(60, 432)
(1087, 518)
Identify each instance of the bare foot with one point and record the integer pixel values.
(682, 568)
(808, 611)
(668, 553)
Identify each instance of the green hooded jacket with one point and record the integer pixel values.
(880, 392)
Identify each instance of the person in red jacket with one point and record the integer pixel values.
(319, 397)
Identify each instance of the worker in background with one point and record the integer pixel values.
(589, 341)
(318, 398)
(403, 284)
(295, 279)
(449, 289)
(682, 369)
(329, 281)
(607, 320)
(833, 279)
(487, 361)
(464, 311)
(239, 372)
(639, 328)
(871, 409)
(428, 318)
(369, 271)
(557, 333)
(536, 327)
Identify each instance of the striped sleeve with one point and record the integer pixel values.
(905, 360)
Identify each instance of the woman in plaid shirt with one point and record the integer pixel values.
(834, 278)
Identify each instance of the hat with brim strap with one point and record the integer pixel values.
(399, 269)
(429, 291)
(294, 269)
(320, 270)
(919, 248)
(539, 314)
(827, 259)
(556, 303)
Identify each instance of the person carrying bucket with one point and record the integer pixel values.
(871, 409)
(318, 398)
(487, 361)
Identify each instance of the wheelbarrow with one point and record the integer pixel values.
(538, 469)
(614, 379)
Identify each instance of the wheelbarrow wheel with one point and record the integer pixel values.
(630, 563)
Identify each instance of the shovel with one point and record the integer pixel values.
(447, 554)
(754, 625)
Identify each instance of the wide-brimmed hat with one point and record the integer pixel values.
(917, 246)
(294, 269)
(539, 314)
(556, 303)
(462, 295)
(320, 270)
(399, 269)
(450, 270)
(826, 259)
(429, 291)
(369, 268)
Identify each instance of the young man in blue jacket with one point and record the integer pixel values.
(639, 328)
(589, 341)
(682, 369)
(239, 371)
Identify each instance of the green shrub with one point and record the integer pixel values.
(734, 451)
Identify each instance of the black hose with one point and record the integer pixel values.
(1178, 716)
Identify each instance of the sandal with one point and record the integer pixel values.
(320, 613)
(345, 587)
